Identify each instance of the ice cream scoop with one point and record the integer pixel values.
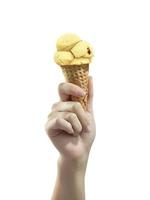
(72, 50)
(67, 41)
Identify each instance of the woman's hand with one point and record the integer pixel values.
(70, 128)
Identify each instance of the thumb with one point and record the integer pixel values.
(90, 95)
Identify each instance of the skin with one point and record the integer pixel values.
(72, 131)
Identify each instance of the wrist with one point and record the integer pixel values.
(74, 166)
(70, 180)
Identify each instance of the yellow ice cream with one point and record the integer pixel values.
(71, 50)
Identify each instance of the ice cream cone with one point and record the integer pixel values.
(74, 55)
(77, 74)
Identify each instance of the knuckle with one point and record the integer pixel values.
(50, 115)
(54, 106)
(57, 121)
(61, 86)
(72, 116)
(77, 106)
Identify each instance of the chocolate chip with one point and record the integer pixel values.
(88, 50)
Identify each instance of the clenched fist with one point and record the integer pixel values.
(71, 128)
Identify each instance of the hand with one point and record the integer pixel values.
(70, 128)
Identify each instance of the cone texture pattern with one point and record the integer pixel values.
(78, 74)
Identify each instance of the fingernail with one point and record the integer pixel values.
(71, 131)
(83, 93)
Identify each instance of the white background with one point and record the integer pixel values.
(119, 165)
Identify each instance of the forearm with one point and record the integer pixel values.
(70, 183)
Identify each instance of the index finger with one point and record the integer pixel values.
(69, 89)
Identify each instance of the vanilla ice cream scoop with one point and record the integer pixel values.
(71, 50)
(67, 41)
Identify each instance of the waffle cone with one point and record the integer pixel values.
(78, 74)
